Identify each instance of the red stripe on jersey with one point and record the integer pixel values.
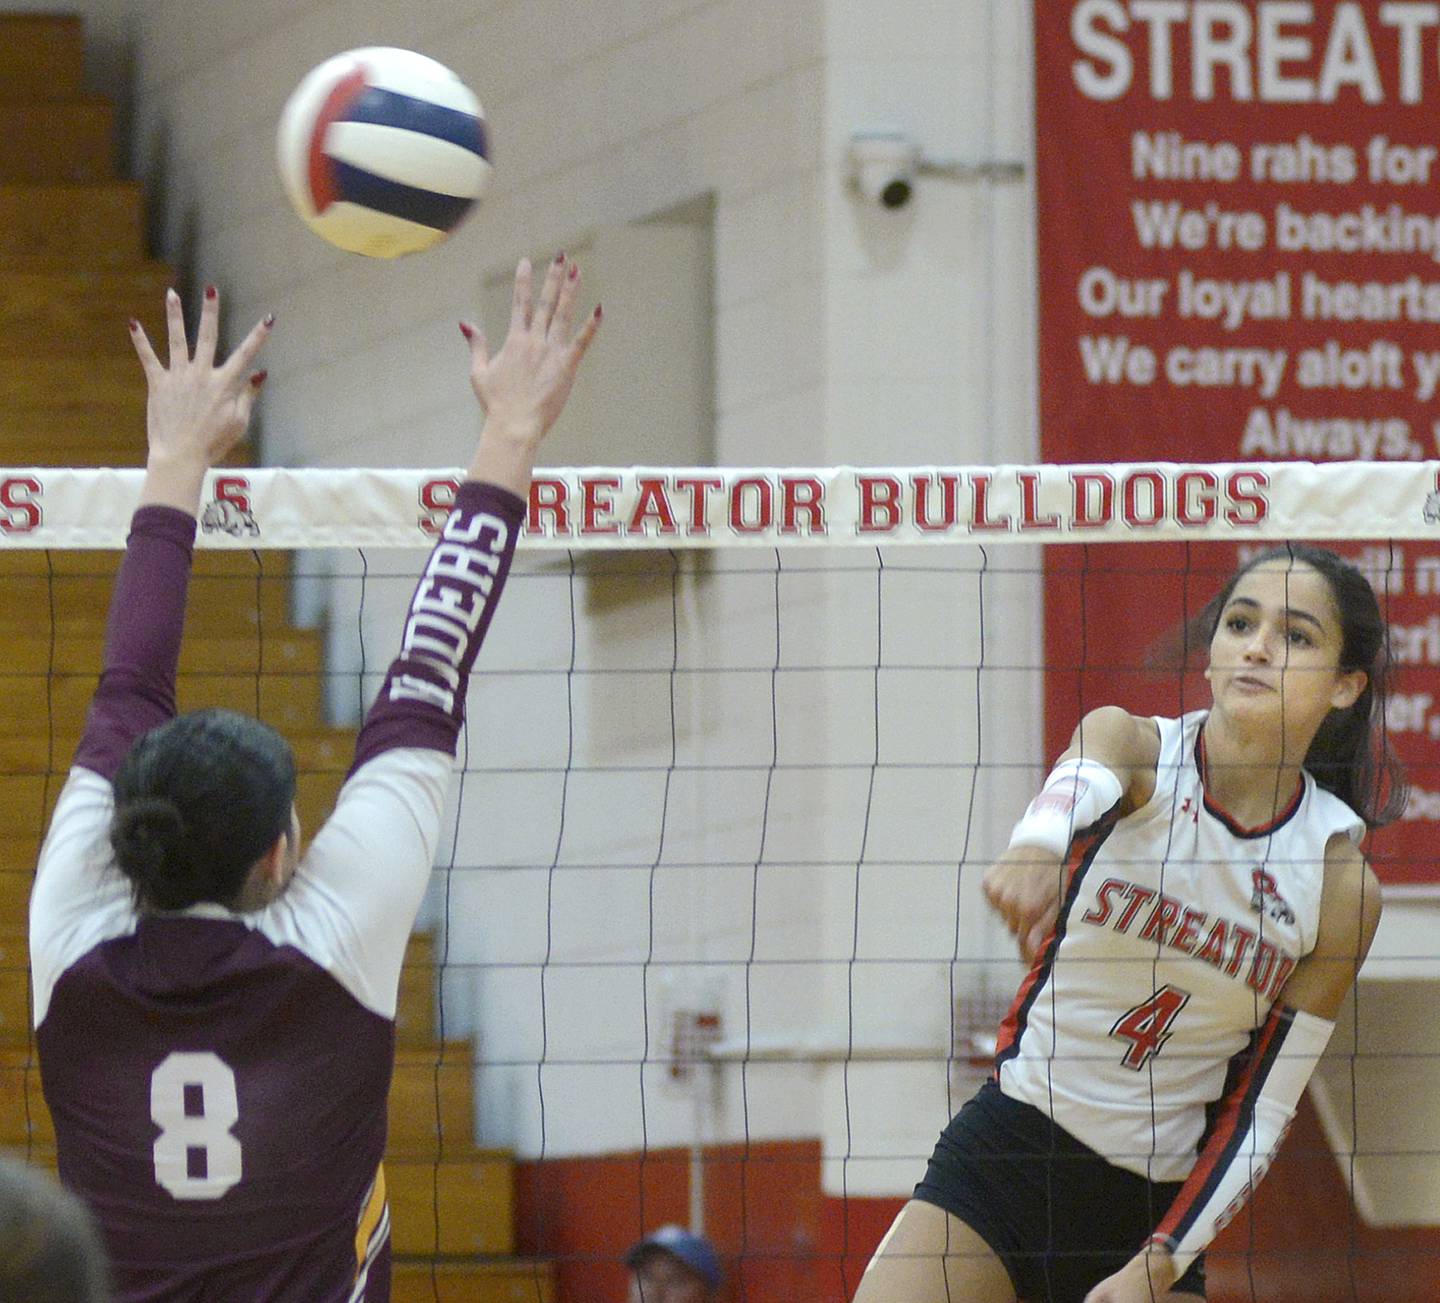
(1231, 1124)
(1082, 852)
(1235, 827)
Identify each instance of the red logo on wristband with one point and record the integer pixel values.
(1062, 796)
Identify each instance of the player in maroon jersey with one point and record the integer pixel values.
(214, 1011)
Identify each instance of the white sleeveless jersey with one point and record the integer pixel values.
(1176, 933)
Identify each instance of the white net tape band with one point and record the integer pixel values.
(638, 507)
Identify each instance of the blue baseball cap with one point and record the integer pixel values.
(695, 1251)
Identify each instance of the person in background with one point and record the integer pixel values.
(49, 1252)
(672, 1265)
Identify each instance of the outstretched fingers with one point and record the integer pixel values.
(243, 358)
(479, 346)
(208, 336)
(520, 309)
(175, 321)
(550, 294)
(580, 345)
(563, 319)
(245, 399)
(528, 380)
(144, 350)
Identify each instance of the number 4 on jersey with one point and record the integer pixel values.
(1147, 1026)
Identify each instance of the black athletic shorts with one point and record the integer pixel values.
(1056, 1213)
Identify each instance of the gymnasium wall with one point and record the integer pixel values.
(840, 333)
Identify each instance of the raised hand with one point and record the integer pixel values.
(523, 387)
(198, 409)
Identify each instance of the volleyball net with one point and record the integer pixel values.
(706, 941)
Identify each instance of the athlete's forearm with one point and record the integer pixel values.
(142, 637)
(176, 481)
(505, 456)
(422, 701)
(1250, 1127)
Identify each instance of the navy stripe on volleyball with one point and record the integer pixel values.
(396, 199)
(387, 108)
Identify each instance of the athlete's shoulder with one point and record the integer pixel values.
(1348, 920)
(80, 898)
(1128, 745)
(353, 899)
(1112, 735)
(1352, 891)
(1332, 818)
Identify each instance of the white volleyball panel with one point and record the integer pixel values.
(409, 157)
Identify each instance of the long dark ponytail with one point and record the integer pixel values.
(1351, 754)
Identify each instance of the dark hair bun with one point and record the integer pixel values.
(146, 834)
(198, 800)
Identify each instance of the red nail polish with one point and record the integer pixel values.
(269, 321)
(599, 312)
(560, 257)
(466, 331)
(134, 325)
(211, 292)
(259, 378)
(574, 271)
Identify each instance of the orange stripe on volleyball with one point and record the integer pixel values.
(370, 1219)
(343, 94)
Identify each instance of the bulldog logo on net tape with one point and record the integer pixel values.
(228, 512)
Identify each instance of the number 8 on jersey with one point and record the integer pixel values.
(194, 1103)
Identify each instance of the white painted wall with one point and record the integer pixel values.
(1375, 1091)
(930, 359)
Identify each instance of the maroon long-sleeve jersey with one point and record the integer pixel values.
(219, 1080)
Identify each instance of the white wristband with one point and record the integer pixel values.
(1077, 794)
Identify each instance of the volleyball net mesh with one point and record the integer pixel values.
(706, 942)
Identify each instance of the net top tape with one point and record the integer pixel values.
(595, 508)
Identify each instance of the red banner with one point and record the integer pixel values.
(1239, 245)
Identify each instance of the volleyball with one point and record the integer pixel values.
(382, 151)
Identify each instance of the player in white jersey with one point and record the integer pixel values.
(1192, 899)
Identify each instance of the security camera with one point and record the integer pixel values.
(884, 165)
(882, 168)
